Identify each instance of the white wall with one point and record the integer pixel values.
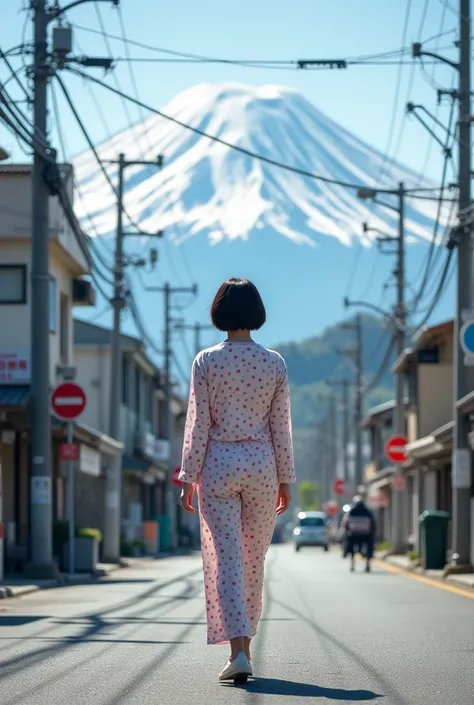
(93, 374)
(435, 397)
(15, 319)
(15, 207)
(93, 365)
(429, 490)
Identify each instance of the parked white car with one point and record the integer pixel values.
(311, 530)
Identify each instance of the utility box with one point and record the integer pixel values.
(434, 539)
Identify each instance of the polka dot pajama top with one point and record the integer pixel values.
(237, 449)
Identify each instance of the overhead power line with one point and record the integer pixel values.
(374, 59)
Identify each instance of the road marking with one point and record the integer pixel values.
(463, 592)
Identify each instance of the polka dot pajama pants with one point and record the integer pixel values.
(237, 502)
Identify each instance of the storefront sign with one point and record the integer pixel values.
(68, 451)
(40, 490)
(15, 367)
(89, 461)
(461, 469)
(158, 449)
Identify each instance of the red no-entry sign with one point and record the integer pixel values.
(395, 449)
(68, 401)
(175, 477)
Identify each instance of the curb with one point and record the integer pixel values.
(8, 591)
(418, 573)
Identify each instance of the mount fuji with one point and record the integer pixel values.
(230, 213)
(207, 187)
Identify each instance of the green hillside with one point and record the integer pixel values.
(315, 360)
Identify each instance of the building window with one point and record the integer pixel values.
(138, 395)
(12, 284)
(52, 306)
(64, 329)
(150, 395)
(125, 381)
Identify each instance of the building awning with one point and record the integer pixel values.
(106, 444)
(14, 396)
(466, 404)
(91, 437)
(383, 476)
(142, 469)
(131, 463)
(432, 446)
(444, 434)
(424, 448)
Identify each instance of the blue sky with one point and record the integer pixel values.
(360, 98)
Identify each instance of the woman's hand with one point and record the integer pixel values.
(284, 498)
(186, 498)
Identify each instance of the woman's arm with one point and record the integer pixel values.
(280, 426)
(198, 423)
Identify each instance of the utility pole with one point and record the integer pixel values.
(358, 402)
(168, 291)
(197, 328)
(399, 497)
(461, 237)
(41, 546)
(113, 490)
(333, 435)
(461, 500)
(344, 385)
(355, 354)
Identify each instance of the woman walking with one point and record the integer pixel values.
(238, 451)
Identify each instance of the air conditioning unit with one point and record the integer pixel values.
(83, 293)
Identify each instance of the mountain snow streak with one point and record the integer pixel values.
(208, 188)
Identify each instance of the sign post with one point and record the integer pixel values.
(395, 450)
(68, 401)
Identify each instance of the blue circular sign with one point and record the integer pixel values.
(467, 337)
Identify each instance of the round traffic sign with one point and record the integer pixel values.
(68, 401)
(398, 482)
(395, 449)
(338, 486)
(466, 337)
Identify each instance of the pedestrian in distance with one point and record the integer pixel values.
(359, 532)
(238, 453)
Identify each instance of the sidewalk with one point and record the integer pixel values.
(403, 562)
(16, 587)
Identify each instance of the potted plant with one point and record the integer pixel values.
(86, 550)
(139, 547)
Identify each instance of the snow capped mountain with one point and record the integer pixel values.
(208, 188)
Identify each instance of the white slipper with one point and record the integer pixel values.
(237, 670)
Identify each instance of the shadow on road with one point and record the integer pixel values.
(274, 686)
(19, 620)
(331, 641)
(97, 626)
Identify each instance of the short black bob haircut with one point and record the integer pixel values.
(238, 306)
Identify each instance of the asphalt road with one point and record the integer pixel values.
(327, 636)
